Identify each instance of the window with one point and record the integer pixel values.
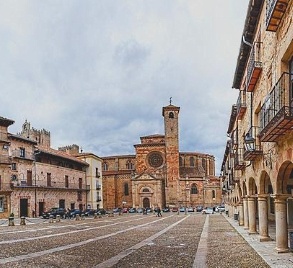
(13, 166)
(191, 160)
(80, 183)
(105, 166)
(49, 181)
(1, 204)
(213, 194)
(126, 189)
(22, 152)
(193, 189)
(0, 182)
(171, 115)
(129, 165)
(145, 190)
(66, 181)
(29, 176)
(79, 196)
(97, 173)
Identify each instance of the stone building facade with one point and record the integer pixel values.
(159, 175)
(35, 177)
(257, 167)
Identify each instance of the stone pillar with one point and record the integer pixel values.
(281, 223)
(263, 218)
(252, 215)
(245, 213)
(241, 214)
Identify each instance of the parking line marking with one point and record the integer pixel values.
(53, 250)
(114, 260)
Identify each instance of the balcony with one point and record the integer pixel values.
(99, 199)
(241, 104)
(18, 153)
(252, 146)
(277, 112)
(239, 163)
(234, 139)
(98, 187)
(254, 67)
(275, 10)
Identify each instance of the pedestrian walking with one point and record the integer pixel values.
(159, 214)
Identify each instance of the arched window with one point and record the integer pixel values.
(180, 162)
(213, 194)
(193, 189)
(129, 165)
(105, 166)
(191, 160)
(126, 189)
(145, 190)
(171, 115)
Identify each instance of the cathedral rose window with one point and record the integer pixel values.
(155, 159)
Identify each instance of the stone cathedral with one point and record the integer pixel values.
(158, 174)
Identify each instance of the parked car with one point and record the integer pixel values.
(208, 210)
(89, 212)
(74, 212)
(220, 209)
(190, 209)
(124, 210)
(54, 212)
(182, 209)
(166, 210)
(116, 210)
(199, 208)
(101, 211)
(139, 210)
(132, 210)
(174, 209)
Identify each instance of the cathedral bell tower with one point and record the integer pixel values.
(171, 116)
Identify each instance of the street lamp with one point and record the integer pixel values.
(249, 142)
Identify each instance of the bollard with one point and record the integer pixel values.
(11, 221)
(82, 216)
(57, 218)
(51, 217)
(95, 215)
(77, 217)
(22, 220)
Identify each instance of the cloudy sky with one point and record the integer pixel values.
(97, 72)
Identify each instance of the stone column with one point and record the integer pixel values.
(252, 215)
(241, 214)
(281, 223)
(263, 218)
(245, 213)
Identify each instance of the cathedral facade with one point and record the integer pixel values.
(158, 174)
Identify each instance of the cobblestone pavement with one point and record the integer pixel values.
(137, 240)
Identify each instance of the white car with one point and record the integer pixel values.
(207, 211)
(220, 209)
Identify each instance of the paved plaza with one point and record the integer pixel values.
(130, 240)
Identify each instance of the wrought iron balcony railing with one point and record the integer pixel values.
(241, 104)
(276, 115)
(275, 10)
(239, 162)
(254, 67)
(234, 138)
(252, 145)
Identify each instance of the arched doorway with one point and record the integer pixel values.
(146, 202)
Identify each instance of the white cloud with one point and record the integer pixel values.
(97, 73)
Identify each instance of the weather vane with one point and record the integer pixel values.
(170, 100)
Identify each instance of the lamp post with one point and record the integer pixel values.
(186, 190)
